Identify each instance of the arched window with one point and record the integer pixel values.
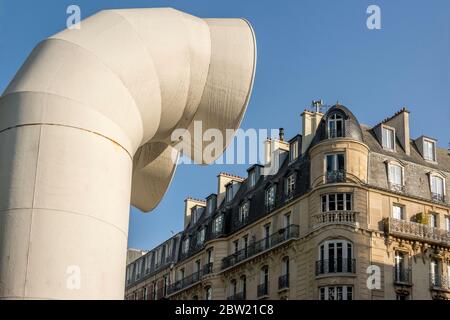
(335, 126)
(208, 293)
(263, 288)
(335, 256)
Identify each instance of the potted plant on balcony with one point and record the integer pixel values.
(422, 218)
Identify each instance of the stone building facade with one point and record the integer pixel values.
(353, 212)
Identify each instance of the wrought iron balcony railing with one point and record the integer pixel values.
(283, 282)
(237, 296)
(336, 176)
(336, 217)
(416, 231)
(263, 290)
(402, 276)
(440, 282)
(396, 187)
(184, 283)
(437, 197)
(207, 268)
(255, 248)
(333, 266)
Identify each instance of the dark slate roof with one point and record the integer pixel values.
(443, 155)
(351, 125)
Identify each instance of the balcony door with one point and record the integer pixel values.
(400, 266)
(336, 256)
(335, 166)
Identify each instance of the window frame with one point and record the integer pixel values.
(392, 139)
(347, 198)
(433, 150)
(335, 118)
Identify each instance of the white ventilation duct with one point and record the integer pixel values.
(86, 125)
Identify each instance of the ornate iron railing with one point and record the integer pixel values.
(263, 289)
(402, 276)
(255, 248)
(336, 176)
(440, 282)
(185, 282)
(237, 296)
(283, 282)
(339, 265)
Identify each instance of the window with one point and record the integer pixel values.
(181, 274)
(233, 288)
(208, 293)
(335, 167)
(201, 237)
(433, 220)
(337, 202)
(229, 193)
(266, 235)
(236, 246)
(335, 126)
(395, 175)
(437, 188)
(252, 178)
(264, 277)
(293, 151)
(434, 272)
(270, 197)
(210, 256)
(388, 138)
(285, 266)
(336, 293)
(211, 204)
(185, 247)
(218, 225)
(447, 226)
(244, 286)
(245, 244)
(398, 212)
(335, 256)
(286, 220)
(290, 185)
(159, 255)
(400, 267)
(243, 211)
(429, 150)
(145, 293)
(197, 266)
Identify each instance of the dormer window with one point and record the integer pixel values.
(290, 186)
(243, 211)
(252, 178)
(335, 126)
(270, 197)
(293, 151)
(211, 204)
(201, 237)
(217, 227)
(229, 192)
(196, 213)
(388, 138)
(185, 246)
(429, 150)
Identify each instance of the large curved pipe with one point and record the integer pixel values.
(86, 125)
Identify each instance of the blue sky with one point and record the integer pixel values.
(307, 49)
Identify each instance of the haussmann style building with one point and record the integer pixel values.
(353, 212)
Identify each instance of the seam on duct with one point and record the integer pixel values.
(150, 57)
(128, 148)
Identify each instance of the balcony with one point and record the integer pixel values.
(283, 282)
(263, 290)
(263, 245)
(336, 217)
(335, 176)
(237, 296)
(440, 282)
(437, 197)
(397, 187)
(207, 268)
(335, 266)
(416, 231)
(184, 283)
(402, 276)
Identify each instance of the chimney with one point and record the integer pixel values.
(281, 134)
(310, 122)
(223, 179)
(189, 203)
(400, 121)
